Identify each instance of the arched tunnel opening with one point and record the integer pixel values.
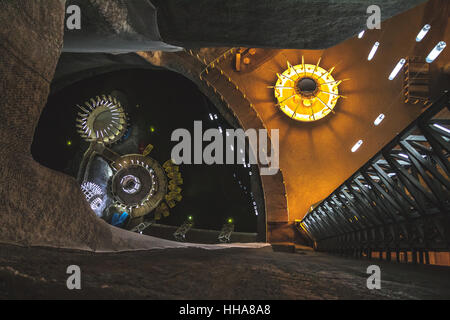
(156, 102)
(239, 150)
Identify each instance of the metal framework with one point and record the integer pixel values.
(416, 81)
(225, 233)
(180, 233)
(398, 202)
(142, 226)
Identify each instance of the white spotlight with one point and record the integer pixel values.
(373, 51)
(423, 32)
(379, 119)
(436, 52)
(397, 68)
(361, 34)
(357, 145)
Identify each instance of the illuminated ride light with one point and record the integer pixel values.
(397, 68)
(93, 193)
(306, 92)
(436, 52)
(361, 34)
(130, 184)
(102, 119)
(138, 185)
(373, 51)
(118, 220)
(423, 32)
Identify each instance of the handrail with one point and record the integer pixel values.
(386, 202)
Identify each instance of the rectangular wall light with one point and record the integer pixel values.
(423, 32)
(357, 145)
(373, 51)
(397, 68)
(436, 52)
(379, 119)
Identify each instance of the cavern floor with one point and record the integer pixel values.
(204, 274)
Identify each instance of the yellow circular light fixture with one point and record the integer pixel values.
(307, 92)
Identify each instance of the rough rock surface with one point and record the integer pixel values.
(221, 274)
(38, 205)
(131, 25)
(300, 24)
(115, 26)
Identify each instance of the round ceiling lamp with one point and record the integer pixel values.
(306, 92)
